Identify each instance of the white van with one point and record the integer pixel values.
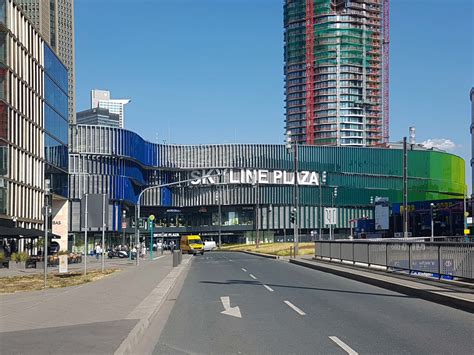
(209, 245)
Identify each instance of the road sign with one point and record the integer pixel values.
(467, 232)
(124, 225)
(330, 216)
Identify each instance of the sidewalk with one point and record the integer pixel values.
(92, 264)
(90, 318)
(452, 294)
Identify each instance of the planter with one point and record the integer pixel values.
(20, 265)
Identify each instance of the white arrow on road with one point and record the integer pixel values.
(230, 311)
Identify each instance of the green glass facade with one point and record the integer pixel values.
(107, 160)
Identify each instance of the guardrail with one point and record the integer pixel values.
(437, 258)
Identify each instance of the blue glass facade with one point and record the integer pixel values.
(56, 122)
(121, 164)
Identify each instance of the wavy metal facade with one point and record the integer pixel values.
(120, 163)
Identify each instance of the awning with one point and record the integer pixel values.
(18, 232)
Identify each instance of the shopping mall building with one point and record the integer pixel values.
(254, 187)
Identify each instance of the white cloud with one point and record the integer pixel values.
(440, 143)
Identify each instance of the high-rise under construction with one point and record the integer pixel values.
(337, 71)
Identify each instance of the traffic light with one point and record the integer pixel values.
(293, 216)
(434, 211)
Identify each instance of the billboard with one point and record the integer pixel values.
(95, 209)
(382, 214)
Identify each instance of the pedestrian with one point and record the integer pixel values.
(98, 250)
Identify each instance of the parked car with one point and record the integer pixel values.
(209, 245)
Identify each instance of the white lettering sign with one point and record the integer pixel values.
(254, 176)
(330, 216)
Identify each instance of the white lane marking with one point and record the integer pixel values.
(268, 288)
(159, 257)
(296, 309)
(253, 277)
(228, 310)
(343, 345)
(244, 270)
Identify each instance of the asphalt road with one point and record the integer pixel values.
(289, 309)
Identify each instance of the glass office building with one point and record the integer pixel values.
(256, 188)
(33, 124)
(56, 122)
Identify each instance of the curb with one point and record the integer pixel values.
(263, 255)
(161, 291)
(453, 302)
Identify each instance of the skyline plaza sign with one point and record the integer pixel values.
(253, 176)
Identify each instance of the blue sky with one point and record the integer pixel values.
(211, 71)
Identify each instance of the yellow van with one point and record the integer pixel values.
(191, 244)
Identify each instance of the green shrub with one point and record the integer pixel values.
(14, 257)
(2, 257)
(23, 256)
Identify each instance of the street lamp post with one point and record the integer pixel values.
(334, 195)
(323, 181)
(137, 207)
(465, 214)
(151, 222)
(219, 217)
(405, 188)
(47, 213)
(257, 212)
(105, 207)
(432, 221)
(294, 146)
(124, 216)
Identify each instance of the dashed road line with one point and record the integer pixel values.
(244, 270)
(343, 345)
(296, 309)
(253, 277)
(268, 288)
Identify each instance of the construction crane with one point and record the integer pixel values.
(310, 72)
(386, 70)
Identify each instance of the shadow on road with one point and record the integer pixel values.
(257, 283)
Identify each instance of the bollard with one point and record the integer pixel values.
(180, 257)
(175, 258)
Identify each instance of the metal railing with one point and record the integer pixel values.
(441, 259)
